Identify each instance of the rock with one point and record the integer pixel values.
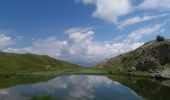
(166, 83)
(165, 73)
(150, 57)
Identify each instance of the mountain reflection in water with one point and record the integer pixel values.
(73, 87)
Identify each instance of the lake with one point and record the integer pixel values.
(84, 87)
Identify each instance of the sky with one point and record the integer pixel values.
(83, 32)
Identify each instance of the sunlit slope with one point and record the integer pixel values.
(151, 57)
(31, 63)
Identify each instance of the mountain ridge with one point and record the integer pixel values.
(152, 57)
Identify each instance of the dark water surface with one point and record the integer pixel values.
(85, 87)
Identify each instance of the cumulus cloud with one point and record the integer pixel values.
(6, 40)
(155, 4)
(139, 19)
(79, 48)
(110, 10)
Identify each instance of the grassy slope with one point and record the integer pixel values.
(43, 98)
(31, 63)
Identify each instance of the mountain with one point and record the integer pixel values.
(10, 62)
(152, 57)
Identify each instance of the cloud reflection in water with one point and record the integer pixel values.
(74, 87)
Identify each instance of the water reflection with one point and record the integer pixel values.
(166, 83)
(150, 89)
(72, 88)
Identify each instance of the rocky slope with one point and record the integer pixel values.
(153, 57)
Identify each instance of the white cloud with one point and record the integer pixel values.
(19, 50)
(110, 10)
(155, 4)
(145, 31)
(79, 48)
(6, 40)
(78, 29)
(138, 19)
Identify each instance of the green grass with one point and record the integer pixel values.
(141, 74)
(81, 71)
(38, 65)
(134, 74)
(20, 63)
(41, 65)
(43, 98)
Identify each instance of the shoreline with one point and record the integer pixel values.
(82, 72)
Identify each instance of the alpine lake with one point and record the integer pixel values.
(83, 87)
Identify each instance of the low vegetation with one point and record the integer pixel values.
(20, 63)
(39, 65)
(160, 38)
(43, 98)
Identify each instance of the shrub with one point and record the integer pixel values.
(160, 38)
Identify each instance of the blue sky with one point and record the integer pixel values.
(81, 31)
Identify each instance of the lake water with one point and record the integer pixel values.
(85, 87)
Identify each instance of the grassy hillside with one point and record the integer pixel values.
(31, 63)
